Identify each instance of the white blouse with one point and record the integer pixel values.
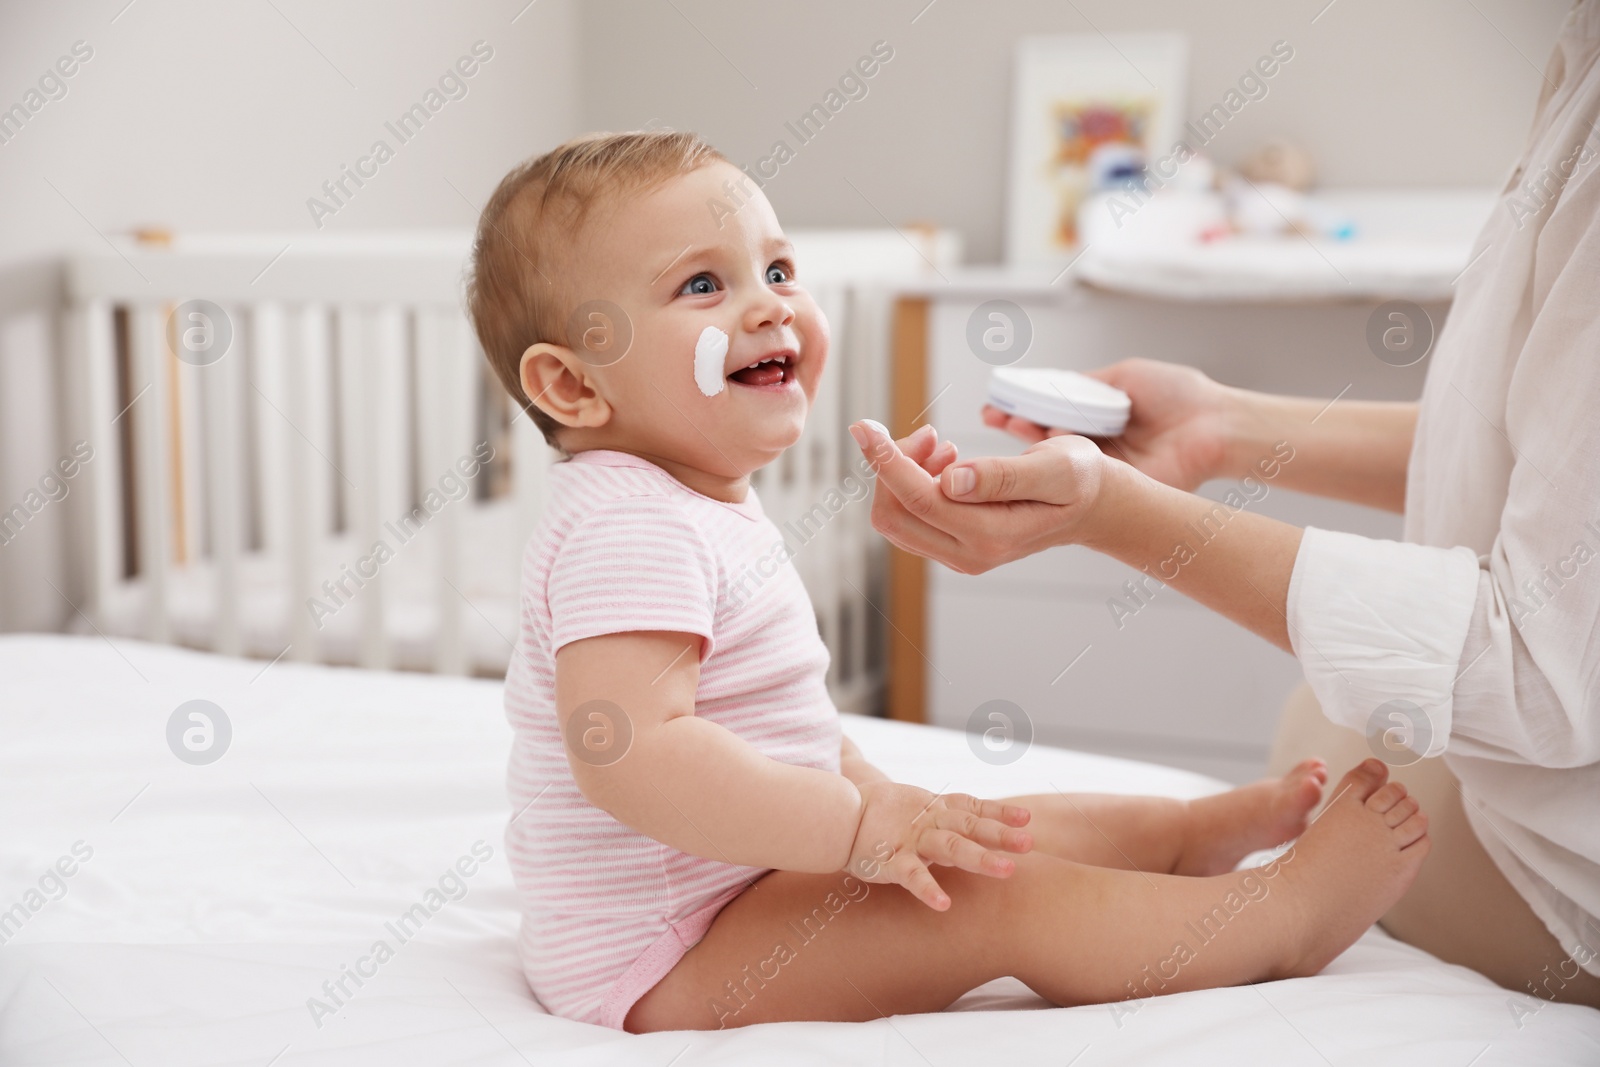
(1486, 618)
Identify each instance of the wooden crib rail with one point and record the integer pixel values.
(351, 384)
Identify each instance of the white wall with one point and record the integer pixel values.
(1420, 93)
(229, 116)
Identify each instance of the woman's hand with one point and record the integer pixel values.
(1180, 430)
(903, 829)
(924, 500)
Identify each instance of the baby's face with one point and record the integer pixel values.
(700, 254)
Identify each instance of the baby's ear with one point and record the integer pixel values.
(558, 383)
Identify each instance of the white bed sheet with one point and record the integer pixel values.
(219, 898)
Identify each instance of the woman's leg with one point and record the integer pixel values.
(799, 946)
(1208, 835)
(1461, 908)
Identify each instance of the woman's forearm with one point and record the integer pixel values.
(1355, 450)
(1235, 562)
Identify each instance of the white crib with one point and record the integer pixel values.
(239, 506)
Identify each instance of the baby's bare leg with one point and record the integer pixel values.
(1072, 932)
(1195, 837)
(1075, 934)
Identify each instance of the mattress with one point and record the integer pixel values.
(209, 902)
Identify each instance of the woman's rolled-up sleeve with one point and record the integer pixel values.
(1473, 643)
(1500, 650)
(1373, 622)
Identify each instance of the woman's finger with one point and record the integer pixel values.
(920, 443)
(914, 487)
(904, 496)
(1113, 374)
(1013, 424)
(941, 457)
(910, 534)
(1048, 472)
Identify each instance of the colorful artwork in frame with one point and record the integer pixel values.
(1079, 100)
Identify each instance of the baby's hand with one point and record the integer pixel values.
(903, 829)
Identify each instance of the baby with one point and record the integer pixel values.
(695, 843)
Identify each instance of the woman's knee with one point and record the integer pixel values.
(1303, 730)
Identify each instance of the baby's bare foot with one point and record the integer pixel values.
(1349, 867)
(1225, 828)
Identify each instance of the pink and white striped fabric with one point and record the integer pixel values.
(624, 546)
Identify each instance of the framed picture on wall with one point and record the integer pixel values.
(1084, 105)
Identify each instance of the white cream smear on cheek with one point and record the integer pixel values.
(710, 355)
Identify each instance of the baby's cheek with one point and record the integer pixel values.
(817, 321)
(815, 338)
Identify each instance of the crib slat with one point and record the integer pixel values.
(272, 498)
(151, 413)
(372, 361)
(390, 463)
(391, 375)
(821, 454)
(303, 430)
(865, 393)
(190, 409)
(433, 414)
(444, 432)
(95, 353)
(467, 438)
(359, 397)
(220, 458)
(269, 387)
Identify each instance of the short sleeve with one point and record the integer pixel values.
(634, 564)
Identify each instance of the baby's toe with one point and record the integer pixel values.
(1413, 830)
(1305, 793)
(1363, 779)
(1386, 797)
(1308, 770)
(1403, 809)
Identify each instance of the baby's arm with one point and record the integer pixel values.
(688, 782)
(854, 766)
(697, 787)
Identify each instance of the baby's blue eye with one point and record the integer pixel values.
(778, 274)
(699, 285)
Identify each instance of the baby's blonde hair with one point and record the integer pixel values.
(519, 290)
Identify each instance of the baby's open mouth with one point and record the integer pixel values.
(776, 369)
